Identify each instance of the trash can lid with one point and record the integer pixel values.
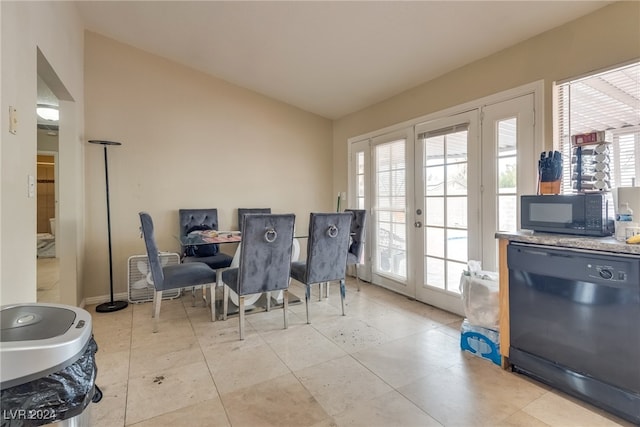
(38, 339)
(33, 322)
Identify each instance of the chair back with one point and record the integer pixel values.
(265, 259)
(327, 246)
(358, 229)
(243, 211)
(155, 265)
(192, 217)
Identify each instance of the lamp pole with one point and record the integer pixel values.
(112, 305)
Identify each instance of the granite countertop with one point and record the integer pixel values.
(607, 244)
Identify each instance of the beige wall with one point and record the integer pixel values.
(56, 30)
(604, 38)
(47, 142)
(189, 141)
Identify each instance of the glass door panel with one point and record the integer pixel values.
(446, 183)
(390, 205)
(390, 263)
(360, 177)
(447, 156)
(359, 196)
(507, 173)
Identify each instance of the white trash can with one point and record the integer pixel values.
(47, 365)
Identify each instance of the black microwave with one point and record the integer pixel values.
(587, 214)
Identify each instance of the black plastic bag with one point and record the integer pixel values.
(56, 397)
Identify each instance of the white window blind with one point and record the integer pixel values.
(610, 102)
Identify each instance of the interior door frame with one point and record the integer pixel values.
(69, 195)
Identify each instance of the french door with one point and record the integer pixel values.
(438, 191)
(447, 211)
(390, 170)
(509, 168)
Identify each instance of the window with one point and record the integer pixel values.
(610, 102)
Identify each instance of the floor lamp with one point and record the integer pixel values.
(112, 305)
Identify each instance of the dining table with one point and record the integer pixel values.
(205, 237)
(252, 302)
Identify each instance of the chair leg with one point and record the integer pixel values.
(219, 281)
(219, 276)
(193, 296)
(357, 278)
(268, 295)
(320, 291)
(285, 307)
(343, 292)
(326, 290)
(211, 296)
(241, 312)
(307, 295)
(225, 302)
(153, 305)
(157, 297)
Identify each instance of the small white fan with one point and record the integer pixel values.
(147, 279)
(140, 281)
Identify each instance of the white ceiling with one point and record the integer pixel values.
(331, 58)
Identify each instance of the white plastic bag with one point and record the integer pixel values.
(480, 291)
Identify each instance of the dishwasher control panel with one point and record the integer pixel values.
(576, 265)
(606, 272)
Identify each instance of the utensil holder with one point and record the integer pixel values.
(549, 187)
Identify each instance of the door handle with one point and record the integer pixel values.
(418, 224)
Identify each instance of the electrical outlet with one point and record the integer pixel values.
(13, 120)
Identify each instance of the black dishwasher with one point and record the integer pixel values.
(575, 323)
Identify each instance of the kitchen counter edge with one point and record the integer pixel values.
(607, 244)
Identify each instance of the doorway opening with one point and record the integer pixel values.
(48, 265)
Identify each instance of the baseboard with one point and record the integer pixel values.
(123, 296)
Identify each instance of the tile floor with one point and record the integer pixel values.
(48, 276)
(389, 362)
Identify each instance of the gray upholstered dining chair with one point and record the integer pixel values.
(236, 257)
(172, 276)
(265, 261)
(193, 218)
(326, 253)
(243, 211)
(356, 247)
